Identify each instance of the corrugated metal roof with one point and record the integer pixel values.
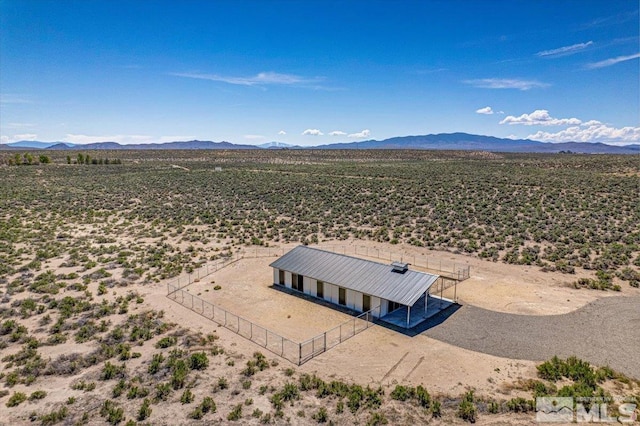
(365, 276)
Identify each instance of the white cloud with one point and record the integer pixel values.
(565, 50)
(591, 131)
(486, 110)
(337, 133)
(260, 79)
(176, 138)
(312, 132)
(26, 137)
(17, 138)
(430, 70)
(12, 98)
(506, 83)
(612, 61)
(20, 125)
(282, 133)
(254, 137)
(540, 117)
(360, 135)
(121, 139)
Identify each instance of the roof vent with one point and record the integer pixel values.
(399, 267)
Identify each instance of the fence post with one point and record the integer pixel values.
(299, 353)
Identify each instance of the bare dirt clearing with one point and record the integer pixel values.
(524, 331)
(246, 290)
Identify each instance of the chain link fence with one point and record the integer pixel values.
(295, 352)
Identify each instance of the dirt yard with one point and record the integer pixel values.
(246, 290)
(383, 356)
(378, 356)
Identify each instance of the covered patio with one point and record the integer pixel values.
(411, 316)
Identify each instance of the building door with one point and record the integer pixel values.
(295, 278)
(342, 296)
(392, 306)
(281, 277)
(300, 283)
(366, 303)
(320, 289)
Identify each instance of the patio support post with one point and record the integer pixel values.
(426, 296)
(408, 315)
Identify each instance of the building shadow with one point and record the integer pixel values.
(433, 321)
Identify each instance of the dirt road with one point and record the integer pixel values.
(603, 332)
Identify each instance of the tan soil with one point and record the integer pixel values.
(377, 356)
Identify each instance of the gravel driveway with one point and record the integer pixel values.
(604, 332)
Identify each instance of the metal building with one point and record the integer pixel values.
(393, 293)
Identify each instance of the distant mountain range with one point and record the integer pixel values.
(443, 141)
(468, 142)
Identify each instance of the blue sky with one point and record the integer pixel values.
(316, 72)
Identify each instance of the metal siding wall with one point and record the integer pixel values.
(383, 307)
(375, 302)
(276, 275)
(331, 293)
(313, 286)
(354, 300)
(307, 287)
(287, 279)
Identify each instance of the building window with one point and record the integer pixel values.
(281, 277)
(320, 289)
(342, 296)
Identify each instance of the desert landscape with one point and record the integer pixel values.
(87, 252)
